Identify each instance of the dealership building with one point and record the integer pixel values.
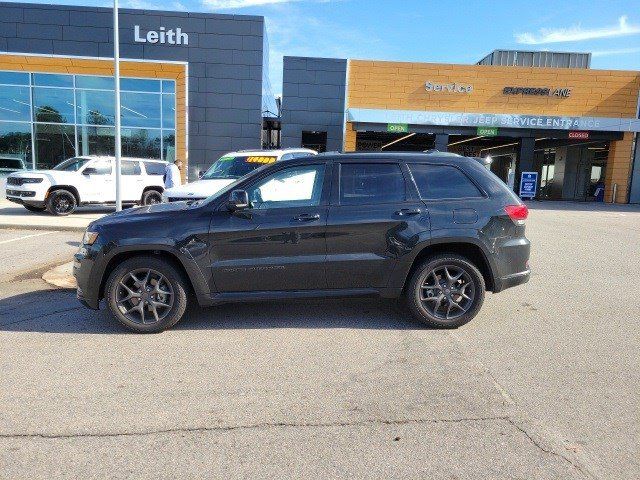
(195, 86)
(544, 112)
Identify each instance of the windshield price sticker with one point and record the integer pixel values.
(261, 159)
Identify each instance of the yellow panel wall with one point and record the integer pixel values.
(128, 68)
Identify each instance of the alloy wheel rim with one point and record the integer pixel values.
(153, 199)
(144, 296)
(62, 204)
(447, 292)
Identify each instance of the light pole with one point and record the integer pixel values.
(116, 74)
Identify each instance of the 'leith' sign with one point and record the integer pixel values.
(162, 36)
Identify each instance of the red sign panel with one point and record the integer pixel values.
(579, 135)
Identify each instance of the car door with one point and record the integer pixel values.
(375, 217)
(279, 242)
(95, 182)
(131, 180)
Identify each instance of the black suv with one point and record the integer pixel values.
(436, 229)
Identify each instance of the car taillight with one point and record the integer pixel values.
(517, 213)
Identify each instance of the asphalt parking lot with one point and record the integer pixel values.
(544, 383)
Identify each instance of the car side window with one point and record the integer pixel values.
(437, 182)
(102, 167)
(371, 183)
(287, 156)
(154, 168)
(130, 168)
(299, 186)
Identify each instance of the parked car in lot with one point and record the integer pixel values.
(229, 168)
(11, 164)
(84, 181)
(435, 230)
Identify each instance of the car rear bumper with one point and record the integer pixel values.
(512, 280)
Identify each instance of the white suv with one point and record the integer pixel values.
(86, 180)
(227, 169)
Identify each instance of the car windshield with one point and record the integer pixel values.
(12, 163)
(71, 165)
(236, 166)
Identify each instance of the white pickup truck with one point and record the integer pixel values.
(86, 180)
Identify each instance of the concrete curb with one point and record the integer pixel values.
(61, 276)
(54, 228)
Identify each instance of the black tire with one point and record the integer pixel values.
(33, 208)
(428, 283)
(151, 197)
(176, 283)
(61, 203)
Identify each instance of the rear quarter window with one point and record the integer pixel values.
(371, 183)
(436, 182)
(154, 168)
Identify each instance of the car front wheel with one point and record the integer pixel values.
(446, 291)
(61, 202)
(151, 197)
(146, 294)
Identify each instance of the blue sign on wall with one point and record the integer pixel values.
(528, 184)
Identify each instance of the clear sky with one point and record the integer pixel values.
(453, 31)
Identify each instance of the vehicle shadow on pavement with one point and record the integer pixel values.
(58, 311)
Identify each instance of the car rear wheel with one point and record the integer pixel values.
(151, 197)
(446, 291)
(146, 294)
(33, 208)
(61, 202)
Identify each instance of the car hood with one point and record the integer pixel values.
(156, 211)
(199, 188)
(44, 173)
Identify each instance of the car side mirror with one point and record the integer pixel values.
(201, 173)
(89, 171)
(238, 200)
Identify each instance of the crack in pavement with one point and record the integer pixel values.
(230, 428)
(536, 443)
(255, 426)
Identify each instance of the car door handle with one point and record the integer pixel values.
(307, 217)
(408, 211)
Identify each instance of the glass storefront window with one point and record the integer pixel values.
(64, 112)
(14, 78)
(15, 104)
(54, 143)
(96, 140)
(140, 110)
(53, 105)
(15, 146)
(91, 82)
(52, 80)
(168, 86)
(168, 111)
(95, 107)
(140, 85)
(169, 146)
(141, 143)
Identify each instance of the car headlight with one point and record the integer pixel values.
(32, 180)
(89, 238)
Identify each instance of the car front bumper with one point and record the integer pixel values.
(87, 279)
